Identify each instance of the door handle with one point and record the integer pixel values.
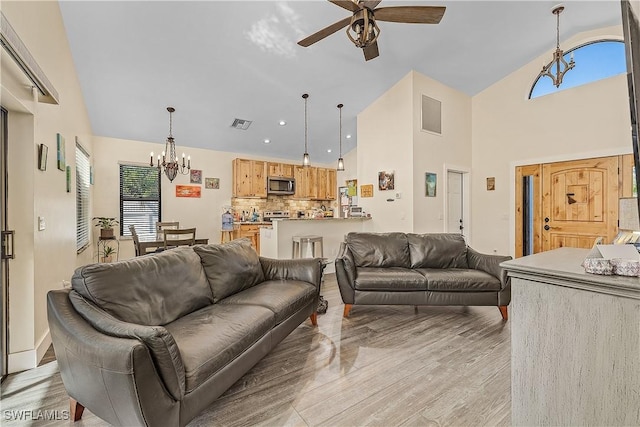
(8, 250)
(547, 228)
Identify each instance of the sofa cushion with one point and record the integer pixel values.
(389, 279)
(438, 250)
(230, 267)
(459, 279)
(151, 290)
(379, 249)
(283, 297)
(210, 338)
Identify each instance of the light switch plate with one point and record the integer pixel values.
(41, 223)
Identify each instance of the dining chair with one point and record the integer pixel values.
(136, 240)
(161, 226)
(182, 237)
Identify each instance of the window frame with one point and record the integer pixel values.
(83, 193)
(568, 52)
(124, 229)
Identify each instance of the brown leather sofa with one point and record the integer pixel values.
(156, 339)
(419, 269)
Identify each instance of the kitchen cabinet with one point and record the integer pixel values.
(326, 184)
(306, 182)
(249, 178)
(252, 232)
(283, 170)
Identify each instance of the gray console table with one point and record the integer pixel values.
(575, 343)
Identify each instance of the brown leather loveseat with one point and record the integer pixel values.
(156, 339)
(419, 269)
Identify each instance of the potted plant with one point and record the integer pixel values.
(106, 226)
(107, 254)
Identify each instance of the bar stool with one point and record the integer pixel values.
(226, 233)
(301, 243)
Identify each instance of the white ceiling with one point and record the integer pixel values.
(219, 60)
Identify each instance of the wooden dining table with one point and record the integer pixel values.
(158, 242)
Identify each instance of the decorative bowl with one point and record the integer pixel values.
(598, 266)
(625, 267)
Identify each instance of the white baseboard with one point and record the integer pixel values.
(43, 346)
(21, 361)
(28, 359)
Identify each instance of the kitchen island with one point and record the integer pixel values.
(276, 242)
(575, 342)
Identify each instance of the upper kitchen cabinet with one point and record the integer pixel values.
(326, 184)
(283, 170)
(306, 182)
(249, 178)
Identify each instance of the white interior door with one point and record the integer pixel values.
(455, 212)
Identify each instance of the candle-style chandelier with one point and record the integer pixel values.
(171, 167)
(561, 66)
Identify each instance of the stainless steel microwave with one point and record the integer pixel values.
(280, 185)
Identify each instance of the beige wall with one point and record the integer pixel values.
(390, 138)
(43, 258)
(509, 129)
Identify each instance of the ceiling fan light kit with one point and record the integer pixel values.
(171, 167)
(561, 66)
(362, 29)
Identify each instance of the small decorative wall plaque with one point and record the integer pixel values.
(431, 184)
(491, 183)
(68, 179)
(366, 190)
(60, 146)
(196, 176)
(212, 183)
(43, 152)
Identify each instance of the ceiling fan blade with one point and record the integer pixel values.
(410, 14)
(370, 4)
(325, 32)
(371, 51)
(346, 4)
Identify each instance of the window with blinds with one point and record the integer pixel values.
(82, 198)
(139, 200)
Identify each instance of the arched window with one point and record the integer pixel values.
(594, 61)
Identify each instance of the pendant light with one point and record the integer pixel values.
(305, 158)
(340, 159)
(170, 166)
(561, 66)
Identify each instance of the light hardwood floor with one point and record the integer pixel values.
(382, 366)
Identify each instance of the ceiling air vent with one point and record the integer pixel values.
(241, 124)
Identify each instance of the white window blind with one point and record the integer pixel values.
(139, 200)
(82, 198)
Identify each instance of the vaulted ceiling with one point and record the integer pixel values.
(216, 61)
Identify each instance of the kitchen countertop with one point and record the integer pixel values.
(252, 223)
(324, 219)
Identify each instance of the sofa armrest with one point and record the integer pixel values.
(346, 273)
(489, 264)
(306, 269)
(161, 344)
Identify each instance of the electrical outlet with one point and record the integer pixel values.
(41, 223)
(398, 195)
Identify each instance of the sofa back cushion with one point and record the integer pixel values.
(379, 249)
(230, 267)
(438, 250)
(151, 290)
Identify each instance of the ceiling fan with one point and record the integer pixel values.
(362, 29)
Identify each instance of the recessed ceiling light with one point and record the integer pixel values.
(266, 141)
(329, 150)
(348, 136)
(282, 123)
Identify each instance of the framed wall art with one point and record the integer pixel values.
(212, 183)
(192, 191)
(352, 187)
(196, 176)
(43, 152)
(386, 180)
(431, 184)
(366, 190)
(68, 169)
(60, 156)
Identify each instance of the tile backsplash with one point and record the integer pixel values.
(280, 203)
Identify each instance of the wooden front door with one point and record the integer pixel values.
(579, 202)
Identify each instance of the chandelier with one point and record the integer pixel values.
(561, 66)
(171, 167)
(340, 159)
(305, 158)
